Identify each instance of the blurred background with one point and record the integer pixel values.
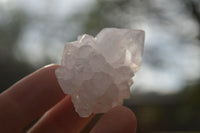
(166, 93)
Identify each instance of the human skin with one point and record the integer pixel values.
(39, 95)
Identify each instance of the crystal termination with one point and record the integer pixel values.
(97, 72)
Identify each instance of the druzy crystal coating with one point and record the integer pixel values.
(97, 71)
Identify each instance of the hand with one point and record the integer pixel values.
(39, 94)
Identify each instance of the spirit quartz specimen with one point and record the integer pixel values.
(97, 72)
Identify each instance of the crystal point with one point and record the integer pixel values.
(96, 71)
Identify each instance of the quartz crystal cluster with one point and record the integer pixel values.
(97, 71)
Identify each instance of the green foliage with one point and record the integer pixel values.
(12, 69)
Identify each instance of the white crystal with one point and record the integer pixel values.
(97, 72)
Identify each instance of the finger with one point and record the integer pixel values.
(28, 99)
(118, 120)
(61, 119)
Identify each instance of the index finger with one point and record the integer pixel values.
(28, 99)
